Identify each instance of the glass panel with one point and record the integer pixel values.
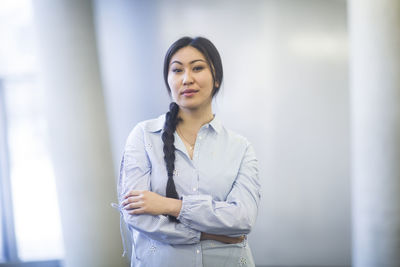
(36, 214)
(2, 175)
(17, 54)
(1, 232)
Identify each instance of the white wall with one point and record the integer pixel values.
(285, 89)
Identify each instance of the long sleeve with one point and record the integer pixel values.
(135, 175)
(234, 216)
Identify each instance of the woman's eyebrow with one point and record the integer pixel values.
(191, 62)
(176, 61)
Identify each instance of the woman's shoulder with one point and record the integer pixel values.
(240, 145)
(151, 125)
(234, 137)
(238, 137)
(227, 133)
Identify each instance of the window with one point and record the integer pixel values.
(2, 258)
(36, 218)
(2, 226)
(7, 229)
(30, 221)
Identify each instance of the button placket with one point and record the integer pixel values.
(198, 256)
(199, 141)
(198, 249)
(195, 184)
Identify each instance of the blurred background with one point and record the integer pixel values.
(76, 76)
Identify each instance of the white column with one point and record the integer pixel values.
(79, 135)
(375, 90)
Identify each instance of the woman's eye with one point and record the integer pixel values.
(176, 70)
(198, 68)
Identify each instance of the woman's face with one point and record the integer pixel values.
(190, 79)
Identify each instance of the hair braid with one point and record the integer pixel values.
(171, 121)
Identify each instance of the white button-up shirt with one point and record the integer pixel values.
(220, 193)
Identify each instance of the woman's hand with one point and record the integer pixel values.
(222, 238)
(147, 202)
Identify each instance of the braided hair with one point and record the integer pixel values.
(172, 120)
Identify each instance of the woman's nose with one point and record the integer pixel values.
(187, 78)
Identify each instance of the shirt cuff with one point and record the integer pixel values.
(193, 234)
(190, 203)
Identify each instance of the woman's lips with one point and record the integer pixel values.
(189, 92)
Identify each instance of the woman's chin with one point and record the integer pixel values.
(193, 104)
(190, 105)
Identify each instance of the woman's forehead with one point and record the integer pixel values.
(186, 55)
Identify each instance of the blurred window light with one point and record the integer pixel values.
(319, 45)
(33, 192)
(36, 217)
(2, 258)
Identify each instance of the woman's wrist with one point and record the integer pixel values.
(174, 206)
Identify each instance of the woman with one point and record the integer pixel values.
(189, 188)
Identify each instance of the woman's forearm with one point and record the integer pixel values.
(222, 238)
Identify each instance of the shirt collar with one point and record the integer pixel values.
(158, 124)
(216, 124)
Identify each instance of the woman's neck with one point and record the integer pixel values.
(193, 119)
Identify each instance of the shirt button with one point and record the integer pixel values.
(194, 188)
(200, 137)
(197, 251)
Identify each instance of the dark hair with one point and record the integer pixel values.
(213, 59)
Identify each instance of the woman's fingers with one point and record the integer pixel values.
(131, 200)
(145, 202)
(234, 240)
(134, 193)
(223, 238)
(134, 205)
(137, 211)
